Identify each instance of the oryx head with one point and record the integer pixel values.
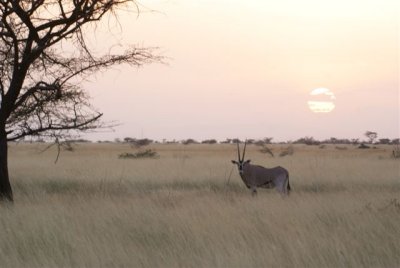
(241, 163)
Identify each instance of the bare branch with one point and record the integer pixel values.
(39, 97)
(28, 131)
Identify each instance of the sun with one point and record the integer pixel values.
(321, 100)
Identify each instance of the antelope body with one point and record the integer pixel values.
(255, 176)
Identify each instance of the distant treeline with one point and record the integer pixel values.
(372, 139)
(260, 142)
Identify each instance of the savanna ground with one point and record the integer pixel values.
(186, 209)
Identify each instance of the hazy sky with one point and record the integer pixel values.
(246, 69)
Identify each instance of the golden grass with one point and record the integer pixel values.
(186, 209)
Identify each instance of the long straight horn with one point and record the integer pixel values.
(244, 150)
(238, 151)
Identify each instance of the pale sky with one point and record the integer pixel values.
(246, 69)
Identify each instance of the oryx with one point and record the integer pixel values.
(255, 176)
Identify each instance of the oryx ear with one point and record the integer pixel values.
(234, 162)
(248, 161)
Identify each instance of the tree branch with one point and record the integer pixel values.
(75, 126)
(37, 77)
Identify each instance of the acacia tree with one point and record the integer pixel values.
(39, 81)
(371, 135)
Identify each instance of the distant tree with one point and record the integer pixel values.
(371, 136)
(189, 141)
(355, 141)
(236, 141)
(227, 141)
(395, 141)
(78, 141)
(268, 140)
(129, 140)
(210, 141)
(308, 141)
(259, 143)
(141, 142)
(333, 140)
(263, 141)
(384, 141)
(40, 82)
(137, 142)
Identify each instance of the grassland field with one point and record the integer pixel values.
(189, 208)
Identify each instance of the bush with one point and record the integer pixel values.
(141, 154)
(137, 142)
(308, 141)
(266, 150)
(363, 146)
(287, 151)
(264, 141)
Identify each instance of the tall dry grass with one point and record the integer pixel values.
(186, 209)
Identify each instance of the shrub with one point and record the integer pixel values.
(137, 142)
(266, 150)
(363, 146)
(308, 141)
(287, 151)
(141, 154)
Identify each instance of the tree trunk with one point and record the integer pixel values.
(5, 186)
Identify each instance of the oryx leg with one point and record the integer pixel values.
(286, 186)
(281, 184)
(253, 190)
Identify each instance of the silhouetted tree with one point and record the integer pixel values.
(268, 140)
(355, 141)
(210, 141)
(371, 136)
(137, 143)
(250, 141)
(236, 141)
(39, 86)
(333, 140)
(384, 141)
(128, 139)
(308, 141)
(189, 141)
